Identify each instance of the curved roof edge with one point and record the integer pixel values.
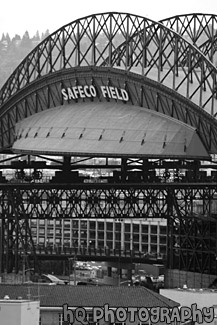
(107, 129)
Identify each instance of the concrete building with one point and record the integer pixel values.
(19, 311)
(146, 236)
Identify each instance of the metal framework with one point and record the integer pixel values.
(189, 209)
(112, 40)
(165, 66)
(145, 93)
(198, 28)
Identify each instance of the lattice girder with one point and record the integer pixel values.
(46, 93)
(159, 50)
(198, 28)
(190, 213)
(106, 200)
(192, 244)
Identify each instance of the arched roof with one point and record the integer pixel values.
(124, 42)
(107, 129)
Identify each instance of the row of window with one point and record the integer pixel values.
(101, 226)
(62, 233)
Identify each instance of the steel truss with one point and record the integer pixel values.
(200, 29)
(128, 42)
(192, 244)
(144, 93)
(190, 210)
(158, 66)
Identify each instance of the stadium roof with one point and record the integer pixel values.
(107, 128)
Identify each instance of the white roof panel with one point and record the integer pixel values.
(107, 129)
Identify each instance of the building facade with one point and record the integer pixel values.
(146, 236)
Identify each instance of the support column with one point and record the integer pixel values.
(109, 271)
(66, 163)
(123, 169)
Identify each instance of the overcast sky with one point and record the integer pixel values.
(18, 16)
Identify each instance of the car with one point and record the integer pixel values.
(54, 279)
(47, 279)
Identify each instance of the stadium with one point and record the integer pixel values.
(109, 131)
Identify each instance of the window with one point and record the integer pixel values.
(109, 235)
(109, 226)
(83, 224)
(127, 237)
(41, 231)
(153, 239)
(118, 227)
(101, 235)
(74, 224)
(136, 237)
(145, 229)
(154, 229)
(127, 227)
(163, 240)
(136, 247)
(144, 238)
(92, 234)
(92, 225)
(135, 228)
(163, 230)
(100, 225)
(58, 222)
(83, 234)
(60, 319)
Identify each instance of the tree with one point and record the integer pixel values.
(44, 35)
(16, 38)
(36, 37)
(3, 38)
(8, 39)
(26, 41)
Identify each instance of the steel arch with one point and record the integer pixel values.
(171, 60)
(165, 51)
(46, 93)
(198, 28)
(148, 46)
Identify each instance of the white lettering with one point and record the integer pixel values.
(75, 89)
(104, 91)
(70, 93)
(64, 93)
(90, 91)
(124, 95)
(93, 91)
(81, 91)
(113, 93)
(118, 95)
(86, 91)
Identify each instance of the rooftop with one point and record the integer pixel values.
(75, 296)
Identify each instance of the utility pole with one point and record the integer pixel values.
(74, 266)
(74, 262)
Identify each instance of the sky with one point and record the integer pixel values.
(18, 16)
